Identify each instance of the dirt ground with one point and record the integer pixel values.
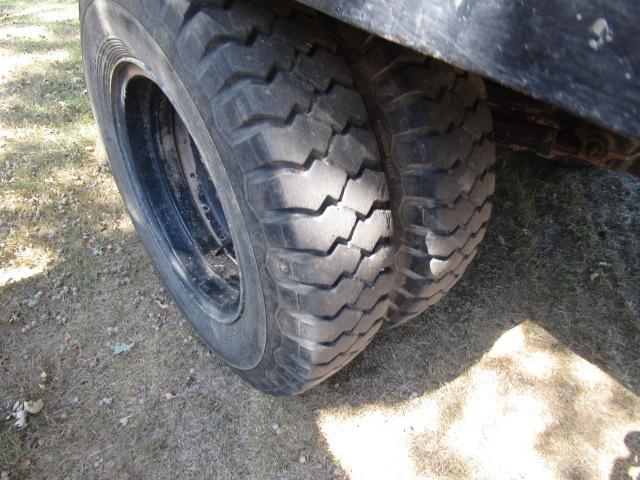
(530, 368)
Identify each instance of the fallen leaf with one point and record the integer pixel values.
(43, 380)
(167, 395)
(20, 411)
(123, 348)
(67, 337)
(21, 419)
(24, 463)
(163, 306)
(33, 408)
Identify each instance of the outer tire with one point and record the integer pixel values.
(434, 128)
(271, 106)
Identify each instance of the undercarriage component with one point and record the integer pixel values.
(522, 122)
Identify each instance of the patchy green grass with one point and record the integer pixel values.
(530, 368)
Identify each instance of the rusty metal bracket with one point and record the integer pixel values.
(524, 123)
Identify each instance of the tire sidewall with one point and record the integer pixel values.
(111, 33)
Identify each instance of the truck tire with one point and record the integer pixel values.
(434, 130)
(241, 151)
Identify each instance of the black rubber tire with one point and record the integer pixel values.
(272, 108)
(434, 128)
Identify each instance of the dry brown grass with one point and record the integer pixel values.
(530, 368)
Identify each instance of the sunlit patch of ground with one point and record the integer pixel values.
(52, 12)
(468, 390)
(11, 275)
(530, 408)
(11, 63)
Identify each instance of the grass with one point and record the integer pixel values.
(530, 368)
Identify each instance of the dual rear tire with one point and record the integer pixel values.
(245, 154)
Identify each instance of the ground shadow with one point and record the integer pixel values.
(622, 467)
(561, 251)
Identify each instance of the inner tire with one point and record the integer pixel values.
(434, 128)
(241, 151)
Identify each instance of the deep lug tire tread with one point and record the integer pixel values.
(284, 100)
(435, 129)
